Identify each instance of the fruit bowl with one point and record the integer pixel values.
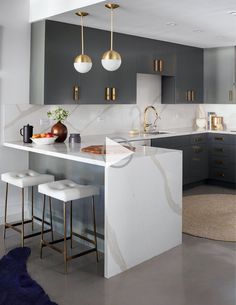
(44, 140)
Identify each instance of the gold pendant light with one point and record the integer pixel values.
(111, 60)
(83, 62)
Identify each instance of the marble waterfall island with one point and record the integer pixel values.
(140, 208)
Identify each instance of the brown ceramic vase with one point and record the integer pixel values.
(59, 130)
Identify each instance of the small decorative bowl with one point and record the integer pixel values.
(44, 141)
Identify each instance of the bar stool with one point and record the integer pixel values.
(23, 179)
(66, 191)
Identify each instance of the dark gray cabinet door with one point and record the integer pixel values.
(123, 79)
(195, 156)
(149, 50)
(222, 157)
(61, 47)
(189, 76)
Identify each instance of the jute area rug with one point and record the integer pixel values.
(210, 216)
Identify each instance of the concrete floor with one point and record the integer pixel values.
(199, 272)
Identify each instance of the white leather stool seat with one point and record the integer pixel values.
(67, 190)
(26, 178)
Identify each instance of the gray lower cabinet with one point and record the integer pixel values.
(195, 156)
(205, 156)
(222, 157)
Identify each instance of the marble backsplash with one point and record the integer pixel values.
(108, 119)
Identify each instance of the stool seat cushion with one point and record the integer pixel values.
(26, 178)
(67, 190)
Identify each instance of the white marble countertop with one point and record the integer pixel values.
(73, 152)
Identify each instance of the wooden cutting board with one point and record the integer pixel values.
(101, 149)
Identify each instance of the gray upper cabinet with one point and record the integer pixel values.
(189, 76)
(54, 79)
(148, 51)
(219, 75)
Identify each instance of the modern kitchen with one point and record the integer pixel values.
(118, 152)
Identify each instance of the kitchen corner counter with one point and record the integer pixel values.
(140, 200)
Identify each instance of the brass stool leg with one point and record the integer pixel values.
(65, 240)
(50, 207)
(42, 230)
(71, 226)
(5, 216)
(32, 207)
(23, 217)
(94, 227)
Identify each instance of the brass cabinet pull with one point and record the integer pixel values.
(189, 96)
(196, 159)
(107, 94)
(110, 94)
(219, 149)
(230, 95)
(158, 65)
(219, 162)
(198, 139)
(220, 174)
(113, 94)
(76, 93)
(219, 138)
(192, 96)
(197, 149)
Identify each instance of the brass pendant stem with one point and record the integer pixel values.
(82, 35)
(112, 25)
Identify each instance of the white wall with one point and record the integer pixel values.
(14, 82)
(41, 9)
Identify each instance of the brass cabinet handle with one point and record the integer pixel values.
(192, 96)
(76, 93)
(197, 149)
(219, 162)
(110, 94)
(113, 94)
(189, 96)
(158, 65)
(219, 149)
(220, 174)
(230, 95)
(198, 139)
(219, 138)
(107, 94)
(196, 159)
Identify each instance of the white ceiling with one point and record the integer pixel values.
(202, 23)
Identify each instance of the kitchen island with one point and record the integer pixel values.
(140, 202)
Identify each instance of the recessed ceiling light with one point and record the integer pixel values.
(233, 13)
(171, 24)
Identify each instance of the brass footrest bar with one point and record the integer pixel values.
(84, 238)
(13, 227)
(15, 224)
(55, 241)
(39, 219)
(9, 226)
(50, 245)
(36, 234)
(81, 254)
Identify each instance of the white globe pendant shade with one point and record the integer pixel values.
(83, 63)
(111, 60)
